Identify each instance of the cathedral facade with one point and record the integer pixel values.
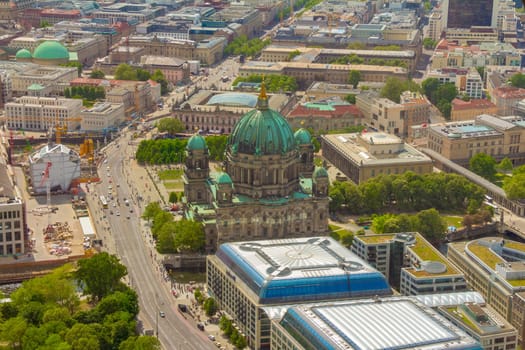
(269, 187)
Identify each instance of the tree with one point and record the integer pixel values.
(170, 125)
(354, 77)
(428, 43)
(293, 54)
(518, 80)
(101, 274)
(151, 210)
(514, 186)
(210, 307)
(483, 165)
(505, 165)
(125, 72)
(174, 197)
(12, 331)
(216, 146)
(357, 46)
(140, 343)
(350, 98)
(159, 77)
(394, 87)
(431, 225)
(97, 74)
(74, 64)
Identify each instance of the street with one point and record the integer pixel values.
(124, 235)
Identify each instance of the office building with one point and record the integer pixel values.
(368, 154)
(102, 116)
(469, 110)
(498, 137)
(411, 264)
(247, 277)
(42, 113)
(13, 226)
(495, 267)
(378, 323)
(466, 14)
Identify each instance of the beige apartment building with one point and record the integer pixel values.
(102, 116)
(496, 136)
(368, 154)
(469, 110)
(385, 115)
(506, 98)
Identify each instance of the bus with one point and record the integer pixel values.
(104, 202)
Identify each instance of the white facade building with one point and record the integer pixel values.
(102, 116)
(42, 113)
(12, 217)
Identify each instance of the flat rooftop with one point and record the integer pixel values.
(358, 148)
(380, 323)
(310, 267)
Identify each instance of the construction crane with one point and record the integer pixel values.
(61, 129)
(45, 178)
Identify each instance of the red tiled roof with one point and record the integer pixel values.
(340, 110)
(458, 104)
(509, 92)
(55, 12)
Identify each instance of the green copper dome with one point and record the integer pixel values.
(51, 50)
(23, 53)
(224, 178)
(319, 172)
(302, 137)
(196, 142)
(262, 131)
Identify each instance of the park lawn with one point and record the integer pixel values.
(173, 185)
(171, 174)
(456, 221)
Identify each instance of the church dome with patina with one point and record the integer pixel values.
(262, 131)
(51, 50)
(23, 54)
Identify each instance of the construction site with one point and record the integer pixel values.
(48, 170)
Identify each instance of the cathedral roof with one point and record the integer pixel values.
(196, 142)
(224, 178)
(262, 131)
(319, 172)
(302, 137)
(51, 50)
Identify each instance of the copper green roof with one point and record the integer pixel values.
(51, 50)
(320, 172)
(23, 53)
(224, 178)
(303, 137)
(262, 131)
(196, 142)
(35, 87)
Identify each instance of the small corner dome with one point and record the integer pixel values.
(224, 178)
(196, 143)
(303, 137)
(51, 50)
(319, 172)
(23, 53)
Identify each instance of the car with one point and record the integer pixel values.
(127, 217)
(217, 344)
(182, 307)
(211, 337)
(162, 314)
(114, 205)
(117, 213)
(111, 212)
(131, 210)
(105, 161)
(200, 326)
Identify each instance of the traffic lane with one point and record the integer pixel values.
(141, 270)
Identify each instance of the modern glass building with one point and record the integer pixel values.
(469, 13)
(245, 276)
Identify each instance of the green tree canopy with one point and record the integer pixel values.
(505, 165)
(101, 274)
(97, 74)
(518, 80)
(483, 165)
(170, 125)
(514, 186)
(274, 82)
(354, 77)
(394, 87)
(242, 46)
